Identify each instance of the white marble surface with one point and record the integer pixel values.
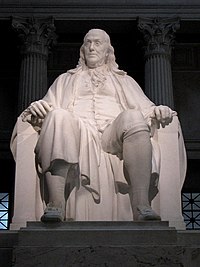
(97, 54)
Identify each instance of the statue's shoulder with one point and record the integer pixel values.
(64, 77)
(78, 69)
(122, 75)
(69, 73)
(128, 78)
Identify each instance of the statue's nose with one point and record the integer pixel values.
(91, 46)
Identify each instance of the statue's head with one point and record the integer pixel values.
(97, 50)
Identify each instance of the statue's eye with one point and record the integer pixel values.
(88, 42)
(97, 43)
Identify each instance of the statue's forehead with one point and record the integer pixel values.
(95, 34)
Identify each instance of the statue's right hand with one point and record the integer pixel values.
(39, 109)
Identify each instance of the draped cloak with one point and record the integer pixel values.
(101, 192)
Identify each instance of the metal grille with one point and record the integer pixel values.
(4, 204)
(190, 203)
(191, 210)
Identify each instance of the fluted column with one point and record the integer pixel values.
(159, 38)
(36, 35)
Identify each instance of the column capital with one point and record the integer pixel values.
(158, 34)
(36, 34)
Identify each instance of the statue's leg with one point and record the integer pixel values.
(56, 184)
(55, 210)
(57, 150)
(129, 137)
(137, 153)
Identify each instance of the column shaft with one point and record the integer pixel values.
(33, 79)
(36, 34)
(158, 80)
(159, 38)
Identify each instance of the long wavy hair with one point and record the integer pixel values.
(110, 59)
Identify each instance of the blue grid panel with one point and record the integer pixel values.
(191, 210)
(4, 204)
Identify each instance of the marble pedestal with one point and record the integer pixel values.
(100, 244)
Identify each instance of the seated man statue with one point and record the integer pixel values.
(95, 126)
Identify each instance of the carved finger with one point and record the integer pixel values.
(157, 113)
(37, 110)
(46, 106)
(164, 114)
(41, 108)
(32, 111)
(170, 115)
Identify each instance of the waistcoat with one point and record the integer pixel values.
(95, 99)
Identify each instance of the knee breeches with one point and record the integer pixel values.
(127, 123)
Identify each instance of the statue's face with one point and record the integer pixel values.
(95, 48)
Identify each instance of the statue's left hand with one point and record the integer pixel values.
(39, 109)
(163, 115)
(36, 112)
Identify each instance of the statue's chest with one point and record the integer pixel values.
(88, 86)
(96, 99)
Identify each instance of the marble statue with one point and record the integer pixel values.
(95, 156)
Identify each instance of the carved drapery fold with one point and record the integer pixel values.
(159, 36)
(36, 35)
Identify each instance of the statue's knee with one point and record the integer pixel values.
(59, 113)
(132, 115)
(132, 121)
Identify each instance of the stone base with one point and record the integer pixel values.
(136, 256)
(88, 244)
(96, 234)
(8, 240)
